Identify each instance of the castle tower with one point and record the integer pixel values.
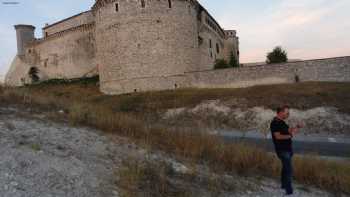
(231, 45)
(25, 34)
(145, 45)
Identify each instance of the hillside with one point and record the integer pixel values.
(243, 109)
(140, 118)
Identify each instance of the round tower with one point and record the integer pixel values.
(145, 44)
(25, 34)
(231, 45)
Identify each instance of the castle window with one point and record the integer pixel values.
(46, 34)
(210, 44)
(170, 4)
(143, 3)
(211, 54)
(117, 7)
(45, 63)
(200, 40)
(217, 48)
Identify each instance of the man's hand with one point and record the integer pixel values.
(293, 131)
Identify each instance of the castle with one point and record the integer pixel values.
(133, 45)
(145, 45)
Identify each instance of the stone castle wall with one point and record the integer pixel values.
(68, 23)
(64, 55)
(331, 69)
(210, 41)
(70, 54)
(143, 47)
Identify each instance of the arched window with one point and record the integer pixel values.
(217, 48)
(143, 3)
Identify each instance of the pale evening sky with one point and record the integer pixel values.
(307, 29)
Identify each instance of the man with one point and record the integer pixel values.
(282, 136)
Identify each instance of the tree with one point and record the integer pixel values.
(221, 64)
(233, 60)
(278, 55)
(33, 74)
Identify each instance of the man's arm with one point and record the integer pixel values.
(294, 130)
(280, 136)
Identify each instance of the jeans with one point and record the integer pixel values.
(287, 171)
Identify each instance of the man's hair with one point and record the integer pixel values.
(281, 109)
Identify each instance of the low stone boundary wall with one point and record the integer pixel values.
(331, 69)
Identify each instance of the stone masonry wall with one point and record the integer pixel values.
(74, 21)
(145, 48)
(64, 55)
(332, 69)
(207, 47)
(70, 55)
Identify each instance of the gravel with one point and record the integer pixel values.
(44, 159)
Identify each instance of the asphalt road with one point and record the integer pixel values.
(300, 147)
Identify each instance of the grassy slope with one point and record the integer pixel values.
(125, 115)
(300, 96)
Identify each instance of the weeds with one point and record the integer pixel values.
(35, 147)
(144, 178)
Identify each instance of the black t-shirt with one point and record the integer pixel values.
(278, 125)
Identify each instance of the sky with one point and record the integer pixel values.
(306, 29)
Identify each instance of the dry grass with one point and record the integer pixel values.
(138, 177)
(301, 96)
(144, 178)
(125, 115)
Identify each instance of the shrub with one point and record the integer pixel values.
(278, 55)
(233, 61)
(221, 64)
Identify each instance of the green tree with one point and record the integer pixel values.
(221, 64)
(233, 61)
(33, 74)
(278, 55)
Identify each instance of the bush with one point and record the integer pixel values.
(233, 61)
(278, 55)
(221, 64)
(83, 81)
